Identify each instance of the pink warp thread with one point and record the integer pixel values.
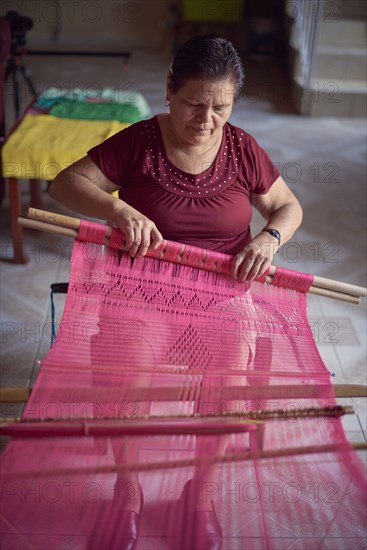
(292, 279)
(172, 252)
(130, 328)
(117, 237)
(92, 232)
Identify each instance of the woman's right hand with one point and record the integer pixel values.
(141, 234)
(84, 188)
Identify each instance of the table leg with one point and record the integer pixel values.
(16, 229)
(35, 188)
(2, 190)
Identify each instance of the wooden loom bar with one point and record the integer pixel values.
(327, 293)
(106, 426)
(21, 395)
(53, 218)
(339, 286)
(74, 223)
(14, 395)
(48, 221)
(183, 463)
(68, 232)
(49, 228)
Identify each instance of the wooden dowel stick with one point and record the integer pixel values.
(67, 231)
(20, 395)
(53, 218)
(350, 390)
(14, 395)
(184, 463)
(327, 293)
(42, 226)
(320, 282)
(339, 286)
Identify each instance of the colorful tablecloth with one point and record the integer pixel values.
(43, 145)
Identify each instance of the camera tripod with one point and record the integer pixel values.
(16, 67)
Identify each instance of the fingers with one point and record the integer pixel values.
(140, 237)
(128, 231)
(136, 242)
(259, 267)
(156, 239)
(249, 264)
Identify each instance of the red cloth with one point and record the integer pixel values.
(210, 210)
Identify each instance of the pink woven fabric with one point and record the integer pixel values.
(148, 336)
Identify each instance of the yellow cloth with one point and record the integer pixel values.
(43, 145)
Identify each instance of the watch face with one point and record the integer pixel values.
(274, 233)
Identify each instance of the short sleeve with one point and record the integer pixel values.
(263, 171)
(112, 156)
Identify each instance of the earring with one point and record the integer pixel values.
(167, 103)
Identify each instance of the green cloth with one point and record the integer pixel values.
(52, 95)
(84, 110)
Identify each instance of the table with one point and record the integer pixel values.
(40, 146)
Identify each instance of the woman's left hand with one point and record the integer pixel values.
(255, 259)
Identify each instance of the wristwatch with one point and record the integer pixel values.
(274, 233)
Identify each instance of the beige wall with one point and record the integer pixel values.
(122, 24)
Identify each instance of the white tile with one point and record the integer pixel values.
(359, 106)
(361, 410)
(330, 66)
(350, 423)
(355, 66)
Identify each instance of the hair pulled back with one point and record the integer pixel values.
(207, 57)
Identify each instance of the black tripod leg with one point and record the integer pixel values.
(27, 76)
(13, 70)
(15, 76)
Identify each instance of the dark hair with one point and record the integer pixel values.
(209, 57)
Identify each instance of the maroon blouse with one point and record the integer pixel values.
(211, 209)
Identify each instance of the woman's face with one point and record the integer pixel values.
(199, 109)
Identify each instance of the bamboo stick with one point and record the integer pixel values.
(174, 393)
(330, 289)
(184, 463)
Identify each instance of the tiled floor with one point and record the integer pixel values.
(324, 162)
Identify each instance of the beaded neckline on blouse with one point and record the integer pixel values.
(219, 176)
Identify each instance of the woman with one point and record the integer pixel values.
(189, 176)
